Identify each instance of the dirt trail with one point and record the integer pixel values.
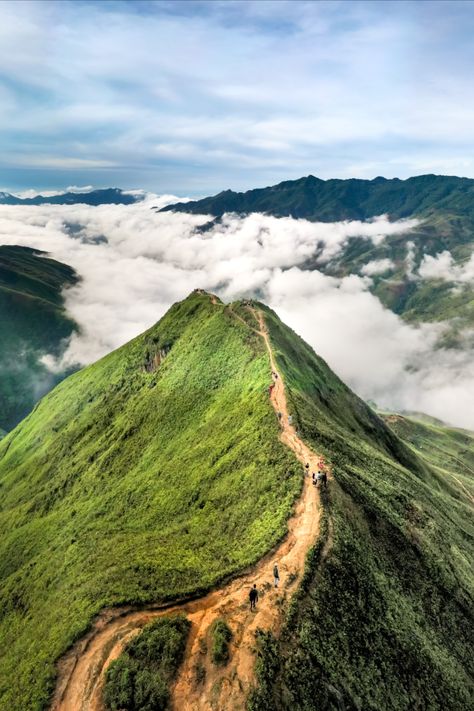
(81, 671)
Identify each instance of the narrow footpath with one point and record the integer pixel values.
(81, 671)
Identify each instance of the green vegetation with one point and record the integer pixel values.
(353, 199)
(449, 451)
(33, 323)
(133, 484)
(139, 679)
(221, 636)
(157, 472)
(384, 619)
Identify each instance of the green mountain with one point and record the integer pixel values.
(157, 472)
(353, 199)
(444, 206)
(104, 196)
(33, 322)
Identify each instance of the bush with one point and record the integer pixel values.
(221, 636)
(138, 680)
(151, 692)
(119, 685)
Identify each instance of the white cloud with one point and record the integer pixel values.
(377, 266)
(443, 267)
(410, 261)
(149, 260)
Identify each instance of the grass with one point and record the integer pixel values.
(139, 679)
(385, 620)
(221, 636)
(131, 486)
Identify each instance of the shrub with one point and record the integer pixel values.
(138, 680)
(221, 636)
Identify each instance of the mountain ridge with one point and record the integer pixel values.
(337, 199)
(98, 469)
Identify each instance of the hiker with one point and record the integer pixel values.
(270, 388)
(324, 479)
(290, 419)
(276, 575)
(319, 477)
(279, 415)
(314, 478)
(306, 468)
(253, 596)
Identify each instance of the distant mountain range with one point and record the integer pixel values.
(444, 207)
(353, 199)
(107, 196)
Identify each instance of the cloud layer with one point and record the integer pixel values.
(135, 263)
(443, 267)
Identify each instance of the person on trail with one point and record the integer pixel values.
(290, 419)
(276, 575)
(279, 415)
(324, 479)
(319, 477)
(314, 478)
(270, 388)
(253, 597)
(306, 468)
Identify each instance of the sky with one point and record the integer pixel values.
(194, 97)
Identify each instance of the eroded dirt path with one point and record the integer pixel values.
(81, 671)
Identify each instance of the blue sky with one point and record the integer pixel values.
(195, 97)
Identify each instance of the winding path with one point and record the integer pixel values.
(81, 670)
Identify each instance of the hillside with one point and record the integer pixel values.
(353, 199)
(33, 322)
(158, 471)
(386, 620)
(148, 476)
(449, 450)
(444, 206)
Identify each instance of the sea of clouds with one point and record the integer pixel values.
(134, 262)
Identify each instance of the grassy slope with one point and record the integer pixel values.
(32, 322)
(450, 451)
(385, 620)
(125, 485)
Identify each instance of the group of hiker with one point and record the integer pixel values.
(319, 477)
(253, 594)
(272, 384)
